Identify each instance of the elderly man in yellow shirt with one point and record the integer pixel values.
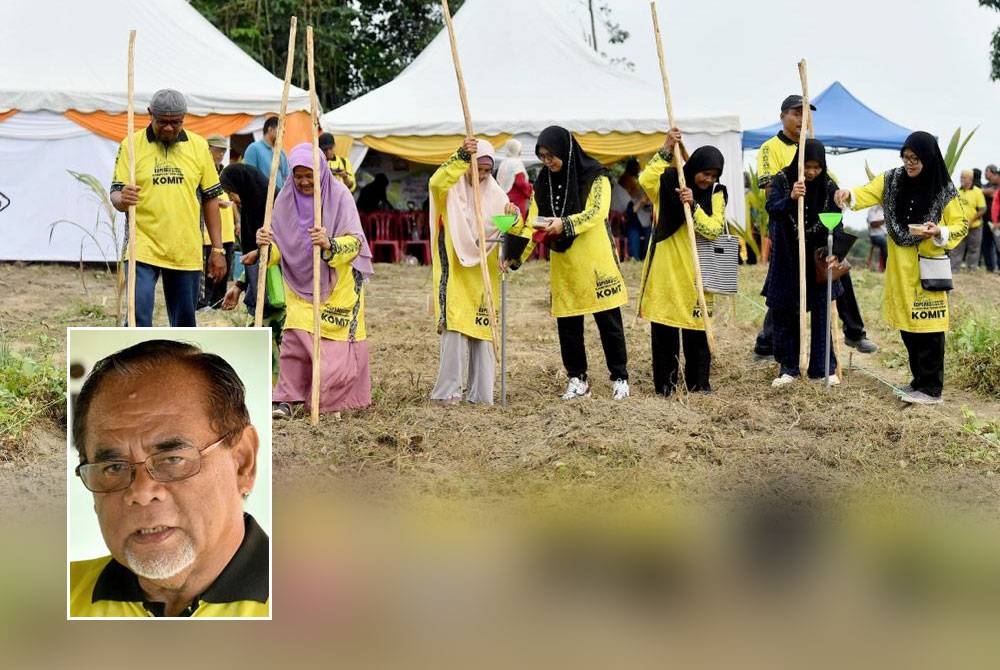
(974, 204)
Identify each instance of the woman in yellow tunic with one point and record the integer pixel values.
(670, 297)
(923, 218)
(573, 198)
(345, 376)
(459, 299)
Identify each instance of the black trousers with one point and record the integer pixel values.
(850, 313)
(786, 341)
(666, 347)
(926, 351)
(847, 307)
(574, 352)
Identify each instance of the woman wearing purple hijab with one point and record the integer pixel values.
(347, 263)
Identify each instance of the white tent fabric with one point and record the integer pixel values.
(524, 72)
(83, 67)
(34, 178)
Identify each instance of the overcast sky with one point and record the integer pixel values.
(921, 63)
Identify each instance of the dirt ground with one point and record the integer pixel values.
(856, 439)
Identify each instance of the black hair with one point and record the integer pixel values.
(225, 392)
(270, 122)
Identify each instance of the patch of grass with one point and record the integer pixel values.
(974, 348)
(31, 387)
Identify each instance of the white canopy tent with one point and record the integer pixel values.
(524, 71)
(60, 106)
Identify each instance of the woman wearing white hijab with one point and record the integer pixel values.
(467, 358)
(513, 177)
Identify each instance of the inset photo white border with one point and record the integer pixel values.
(247, 350)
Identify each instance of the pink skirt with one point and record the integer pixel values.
(346, 381)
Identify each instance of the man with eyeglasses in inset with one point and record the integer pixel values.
(175, 184)
(167, 448)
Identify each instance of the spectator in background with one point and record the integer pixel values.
(876, 234)
(374, 196)
(261, 153)
(991, 231)
(340, 166)
(215, 291)
(974, 204)
(513, 177)
(639, 215)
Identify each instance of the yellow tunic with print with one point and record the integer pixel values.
(342, 316)
(972, 201)
(906, 305)
(459, 299)
(585, 278)
(670, 295)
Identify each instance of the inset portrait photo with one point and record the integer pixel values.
(169, 473)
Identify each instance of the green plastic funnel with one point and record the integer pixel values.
(504, 222)
(830, 219)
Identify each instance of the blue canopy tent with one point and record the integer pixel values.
(843, 123)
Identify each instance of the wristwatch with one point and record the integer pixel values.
(219, 250)
(326, 255)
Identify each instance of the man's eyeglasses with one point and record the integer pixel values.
(161, 122)
(164, 466)
(911, 160)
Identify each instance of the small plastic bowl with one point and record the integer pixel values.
(504, 222)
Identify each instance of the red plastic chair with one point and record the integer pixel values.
(416, 233)
(381, 231)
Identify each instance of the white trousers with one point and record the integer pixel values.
(466, 363)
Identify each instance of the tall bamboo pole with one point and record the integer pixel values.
(317, 221)
(679, 164)
(131, 177)
(806, 120)
(264, 252)
(474, 177)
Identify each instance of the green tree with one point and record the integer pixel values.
(995, 45)
(358, 44)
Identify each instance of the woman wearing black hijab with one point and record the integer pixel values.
(375, 196)
(569, 211)
(247, 187)
(923, 218)
(670, 297)
(818, 190)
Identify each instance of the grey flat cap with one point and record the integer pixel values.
(168, 101)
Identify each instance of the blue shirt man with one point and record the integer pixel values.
(261, 153)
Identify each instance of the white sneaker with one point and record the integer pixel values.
(783, 380)
(577, 388)
(834, 380)
(620, 391)
(921, 398)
